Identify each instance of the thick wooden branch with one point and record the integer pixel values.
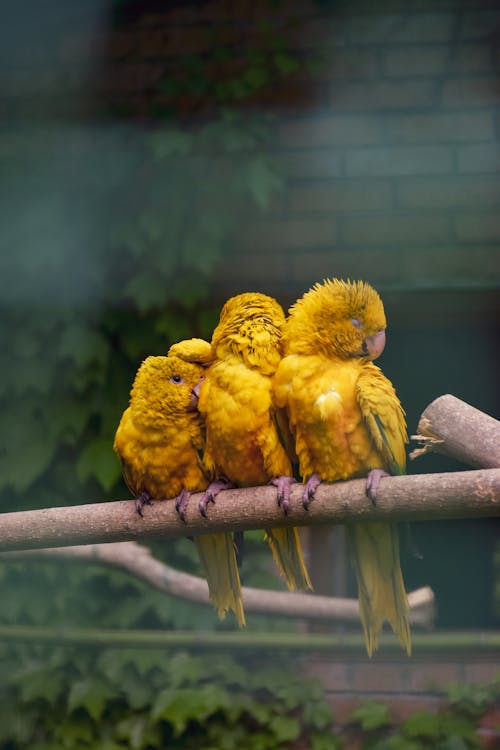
(456, 429)
(138, 561)
(418, 497)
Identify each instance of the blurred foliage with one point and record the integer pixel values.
(145, 699)
(149, 698)
(456, 726)
(237, 60)
(110, 239)
(110, 259)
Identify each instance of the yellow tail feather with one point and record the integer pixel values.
(287, 552)
(381, 590)
(218, 558)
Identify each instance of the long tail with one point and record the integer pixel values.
(287, 552)
(381, 590)
(218, 557)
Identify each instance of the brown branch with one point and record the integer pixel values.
(456, 429)
(418, 497)
(137, 560)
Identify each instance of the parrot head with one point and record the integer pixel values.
(337, 318)
(251, 327)
(192, 350)
(167, 386)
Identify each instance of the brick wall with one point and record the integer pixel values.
(408, 685)
(393, 169)
(390, 149)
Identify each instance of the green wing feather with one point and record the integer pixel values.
(382, 595)
(384, 417)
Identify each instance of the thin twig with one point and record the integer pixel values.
(138, 561)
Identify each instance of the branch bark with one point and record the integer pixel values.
(138, 561)
(418, 497)
(456, 429)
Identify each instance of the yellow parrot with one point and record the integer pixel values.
(242, 438)
(158, 441)
(348, 422)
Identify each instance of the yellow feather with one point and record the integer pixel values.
(382, 594)
(236, 401)
(157, 440)
(218, 558)
(346, 420)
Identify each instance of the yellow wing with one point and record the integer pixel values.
(158, 442)
(375, 545)
(384, 417)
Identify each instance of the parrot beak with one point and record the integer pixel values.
(195, 393)
(373, 346)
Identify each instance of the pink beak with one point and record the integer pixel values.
(374, 345)
(195, 393)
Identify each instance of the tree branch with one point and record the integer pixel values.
(418, 497)
(456, 429)
(138, 561)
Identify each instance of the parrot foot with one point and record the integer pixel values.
(372, 483)
(182, 502)
(310, 488)
(212, 491)
(143, 499)
(283, 484)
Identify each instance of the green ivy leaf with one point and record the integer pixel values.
(17, 727)
(41, 683)
(285, 728)
(68, 418)
(98, 460)
(325, 741)
(75, 732)
(37, 376)
(143, 661)
(422, 724)
(285, 63)
(82, 345)
(28, 449)
(147, 290)
(257, 77)
(181, 706)
(470, 699)
(398, 742)
(172, 327)
(140, 732)
(186, 669)
(262, 181)
(371, 715)
(317, 712)
(91, 694)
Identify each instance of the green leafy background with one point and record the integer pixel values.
(110, 243)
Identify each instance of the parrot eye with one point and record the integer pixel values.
(176, 379)
(356, 323)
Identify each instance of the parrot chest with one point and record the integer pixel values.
(240, 434)
(331, 436)
(160, 462)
